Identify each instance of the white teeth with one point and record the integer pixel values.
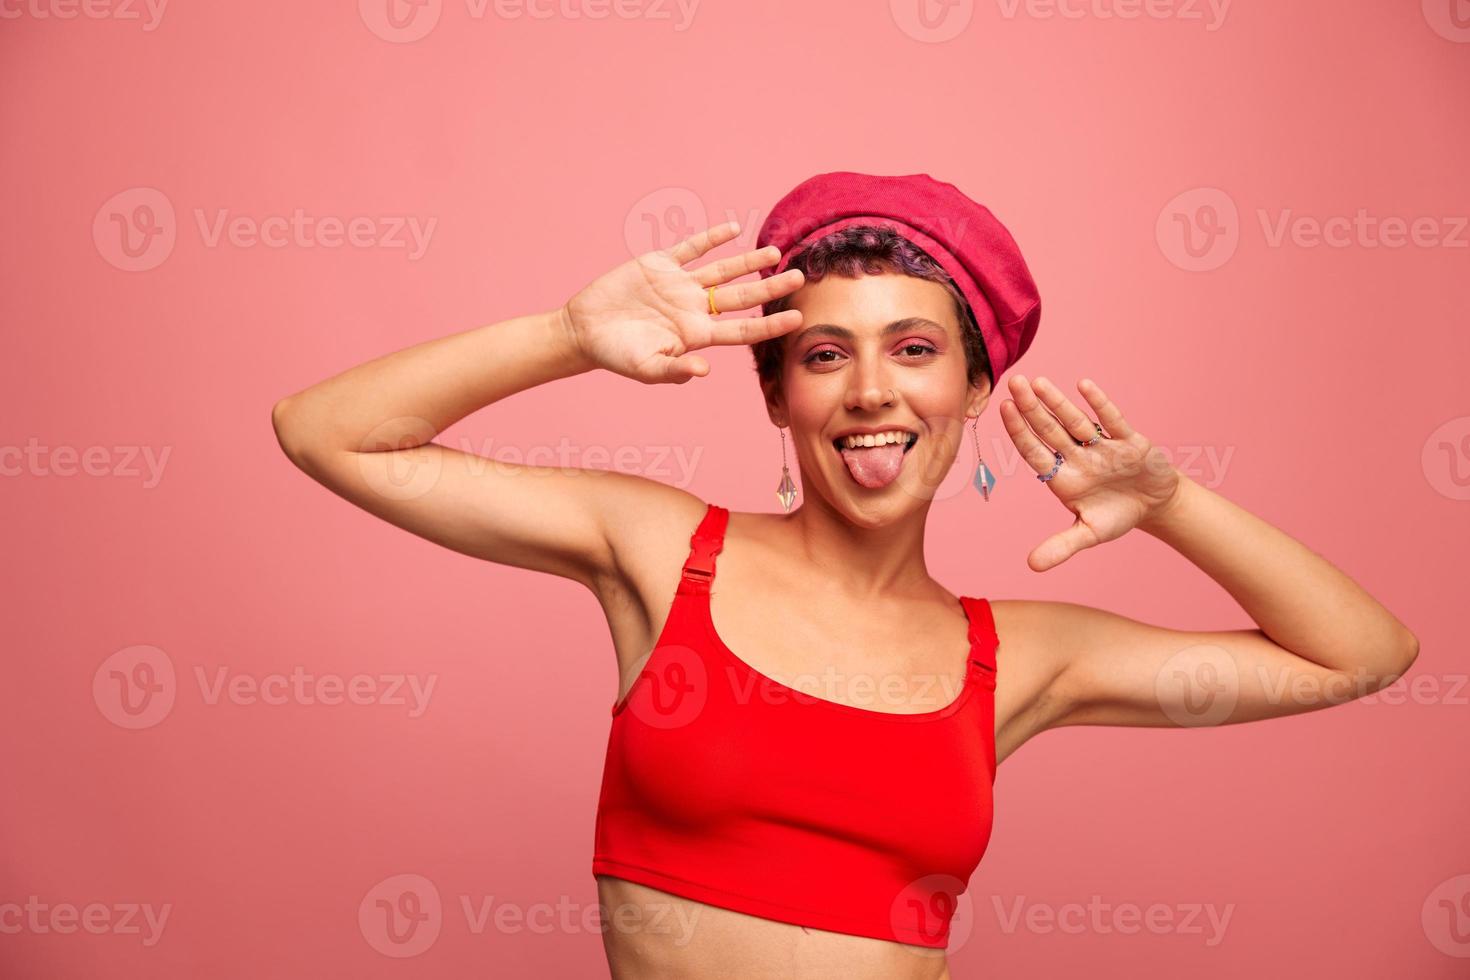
(876, 439)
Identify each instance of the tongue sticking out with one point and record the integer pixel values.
(874, 466)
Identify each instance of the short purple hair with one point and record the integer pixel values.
(872, 250)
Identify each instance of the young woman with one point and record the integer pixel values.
(812, 805)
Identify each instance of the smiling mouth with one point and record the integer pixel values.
(913, 440)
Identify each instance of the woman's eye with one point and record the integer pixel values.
(915, 349)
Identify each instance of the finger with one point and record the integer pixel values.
(1078, 424)
(1108, 414)
(733, 268)
(1061, 546)
(1046, 427)
(1037, 454)
(754, 292)
(694, 246)
(663, 369)
(754, 329)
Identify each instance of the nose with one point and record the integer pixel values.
(870, 392)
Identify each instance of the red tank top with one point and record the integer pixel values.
(727, 787)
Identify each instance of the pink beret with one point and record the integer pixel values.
(963, 237)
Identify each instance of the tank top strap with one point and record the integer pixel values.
(983, 639)
(704, 545)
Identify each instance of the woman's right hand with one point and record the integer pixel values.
(644, 319)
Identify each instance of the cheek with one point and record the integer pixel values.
(941, 405)
(810, 403)
(937, 394)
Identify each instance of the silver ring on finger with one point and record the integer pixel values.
(1043, 477)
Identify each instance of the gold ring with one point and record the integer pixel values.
(712, 310)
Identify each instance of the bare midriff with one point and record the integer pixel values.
(652, 935)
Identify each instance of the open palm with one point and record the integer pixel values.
(644, 319)
(1111, 486)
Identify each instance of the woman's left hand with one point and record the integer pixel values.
(1112, 486)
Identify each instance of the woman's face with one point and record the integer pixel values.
(879, 351)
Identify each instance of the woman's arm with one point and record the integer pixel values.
(1321, 639)
(366, 434)
(386, 402)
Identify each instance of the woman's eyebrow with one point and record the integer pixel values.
(842, 333)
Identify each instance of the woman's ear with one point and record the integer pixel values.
(979, 396)
(771, 390)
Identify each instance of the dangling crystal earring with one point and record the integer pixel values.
(786, 492)
(984, 480)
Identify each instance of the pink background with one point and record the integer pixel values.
(1320, 386)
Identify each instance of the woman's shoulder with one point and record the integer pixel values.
(1037, 619)
(652, 523)
(1044, 615)
(1047, 633)
(1029, 654)
(644, 516)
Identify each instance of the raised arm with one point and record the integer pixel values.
(366, 434)
(1320, 638)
